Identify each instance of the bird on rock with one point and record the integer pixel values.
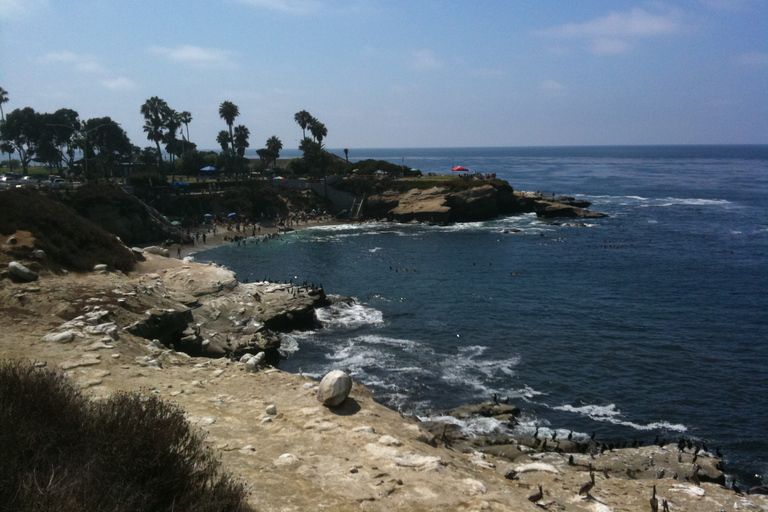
(654, 501)
(587, 486)
(664, 506)
(533, 498)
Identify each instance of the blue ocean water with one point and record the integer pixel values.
(653, 321)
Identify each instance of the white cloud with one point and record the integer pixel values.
(209, 57)
(604, 46)
(16, 9)
(80, 62)
(289, 6)
(611, 34)
(118, 84)
(424, 60)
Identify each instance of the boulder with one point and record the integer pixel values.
(334, 388)
(153, 249)
(38, 254)
(21, 272)
(59, 337)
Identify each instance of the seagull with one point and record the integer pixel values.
(654, 501)
(664, 506)
(533, 498)
(586, 487)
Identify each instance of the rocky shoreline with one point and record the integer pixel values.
(442, 205)
(193, 334)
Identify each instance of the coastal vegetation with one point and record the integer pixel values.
(62, 451)
(105, 151)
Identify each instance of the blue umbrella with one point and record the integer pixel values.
(208, 215)
(209, 168)
(232, 215)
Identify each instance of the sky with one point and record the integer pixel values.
(402, 73)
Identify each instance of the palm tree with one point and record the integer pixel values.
(240, 141)
(228, 111)
(154, 131)
(274, 144)
(4, 99)
(318, 130)
(303, 118)
(185, 118)
(155, 112)
(223, 139)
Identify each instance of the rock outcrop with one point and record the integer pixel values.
(443, 205)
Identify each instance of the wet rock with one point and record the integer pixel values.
(334, 388)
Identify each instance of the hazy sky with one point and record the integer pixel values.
(403, 73)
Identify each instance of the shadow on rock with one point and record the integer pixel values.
(348, 407)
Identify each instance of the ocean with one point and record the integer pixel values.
(650, 322)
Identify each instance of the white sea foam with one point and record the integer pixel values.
(472, 427)
(611, 414)
(375, 249)
(349, 317)
(466, 370)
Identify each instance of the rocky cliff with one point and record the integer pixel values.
(270, 429)
(443, 205)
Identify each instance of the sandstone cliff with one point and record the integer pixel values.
(443, 205)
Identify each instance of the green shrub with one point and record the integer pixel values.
(59, 451)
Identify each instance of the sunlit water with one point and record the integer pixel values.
(653, 321)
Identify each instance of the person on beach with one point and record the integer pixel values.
(178, 252)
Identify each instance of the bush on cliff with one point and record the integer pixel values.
(60, 451)
(116, 211)
(66, 237)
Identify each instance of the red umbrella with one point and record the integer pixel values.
(460, 169)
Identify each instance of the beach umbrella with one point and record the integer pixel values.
(459, 169)
(208, 215)
(279, 178)
(209, 168)
(175, 223)
(233, 214)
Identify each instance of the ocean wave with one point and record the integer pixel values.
(465, 369)
(611, 414)
(349, 317)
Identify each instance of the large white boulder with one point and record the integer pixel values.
(334, 388)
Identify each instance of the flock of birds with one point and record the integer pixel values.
(683, 444)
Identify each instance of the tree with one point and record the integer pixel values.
(108, 142)
(154, 131)
(22, 129)
(240, 142)
(58, 137)
(223, 139)
(4, 99)
(185, 118)
(155, 112)
(318, 130)
(228, 111)
(303, 118)
(274, 145)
